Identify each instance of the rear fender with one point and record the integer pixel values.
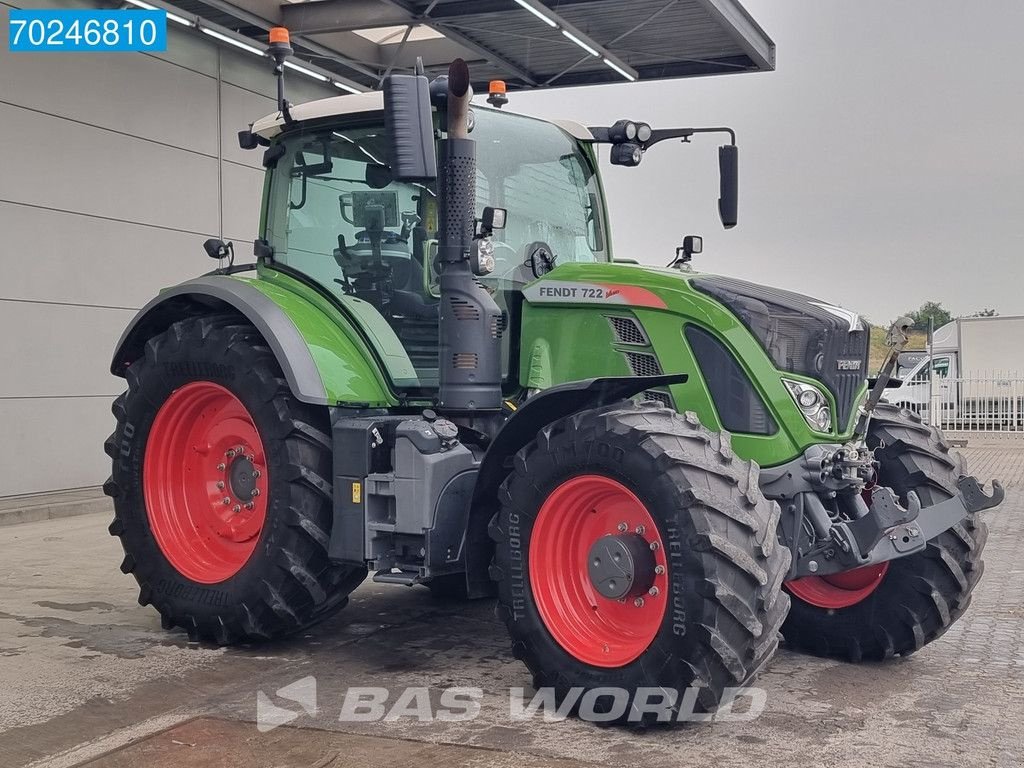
(320, 362)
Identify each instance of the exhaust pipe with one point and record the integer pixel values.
(471, 324)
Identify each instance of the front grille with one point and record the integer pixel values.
(799, 335)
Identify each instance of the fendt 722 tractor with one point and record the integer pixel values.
(437, 372)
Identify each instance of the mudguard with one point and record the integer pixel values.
(327, 373)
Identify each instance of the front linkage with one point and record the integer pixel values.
(830, 527)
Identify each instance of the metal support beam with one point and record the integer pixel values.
(341, 16)
(481, 50)
(741, 26)
(577, 38)
(261, 23)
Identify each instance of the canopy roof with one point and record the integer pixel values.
(527, 43)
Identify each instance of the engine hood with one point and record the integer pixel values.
(801, 334)
(796, 333)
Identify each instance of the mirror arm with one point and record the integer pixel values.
(602, 135)
(684, 134)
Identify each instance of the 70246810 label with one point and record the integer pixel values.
(89, 30)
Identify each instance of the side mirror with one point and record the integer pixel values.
(693, 244)
(217, 249)
(410, 127)
(493, 218)
(728, 171)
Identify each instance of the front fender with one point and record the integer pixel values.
(321, 364)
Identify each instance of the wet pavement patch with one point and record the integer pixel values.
(216, 743)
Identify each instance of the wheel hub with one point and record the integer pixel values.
(242, 477)
(621, 566)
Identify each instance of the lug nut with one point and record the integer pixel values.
(250, 505)
(639, 602)
(623, 527)
(653, 591)
(220, 485)
(654, 546)
(256, 474)
(659, 569)
(251, 458)
(255, 492)
(640, 530)
(230, 453)
(221, 467)
(236, 509)
(226, 501)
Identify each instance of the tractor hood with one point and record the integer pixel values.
(798, 334)
(801, 334)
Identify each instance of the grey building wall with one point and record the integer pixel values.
(114, 168)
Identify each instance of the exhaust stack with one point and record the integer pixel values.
(471, 324)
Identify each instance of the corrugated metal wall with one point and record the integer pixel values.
(113, 170)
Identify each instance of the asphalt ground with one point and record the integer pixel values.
(87, 676)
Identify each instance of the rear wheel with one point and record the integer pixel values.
(221, 487)
(897, 607)
(635, 551)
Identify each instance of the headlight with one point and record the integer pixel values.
(812, 404)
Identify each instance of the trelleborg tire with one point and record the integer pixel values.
(221, 487)
(703, 611)
(911, 601)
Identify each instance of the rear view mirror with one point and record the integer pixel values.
(728, 170)
(410, 128)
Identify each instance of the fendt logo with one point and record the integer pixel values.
(269, 716)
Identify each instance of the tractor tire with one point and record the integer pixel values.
(704, 605)
(221, 488)
(900, 606)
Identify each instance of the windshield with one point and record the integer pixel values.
(336, 215)
(548, 185)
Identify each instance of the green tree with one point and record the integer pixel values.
(931, 315)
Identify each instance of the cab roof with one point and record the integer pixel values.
(372, 101)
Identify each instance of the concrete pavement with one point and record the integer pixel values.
(88, 675)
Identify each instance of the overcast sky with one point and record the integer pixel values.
(881, 164)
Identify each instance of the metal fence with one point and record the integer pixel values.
(988, 403)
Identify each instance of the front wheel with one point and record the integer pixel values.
(221, 488)
(634, 553)
(896, 607)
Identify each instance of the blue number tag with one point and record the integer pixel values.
(78, 31)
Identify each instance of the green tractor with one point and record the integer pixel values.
(436, 371)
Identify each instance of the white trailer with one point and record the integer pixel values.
(972, 377)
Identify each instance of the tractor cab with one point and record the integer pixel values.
(336, 216)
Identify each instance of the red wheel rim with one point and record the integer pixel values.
(204, 478)
(594, 629)
(839, 590)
